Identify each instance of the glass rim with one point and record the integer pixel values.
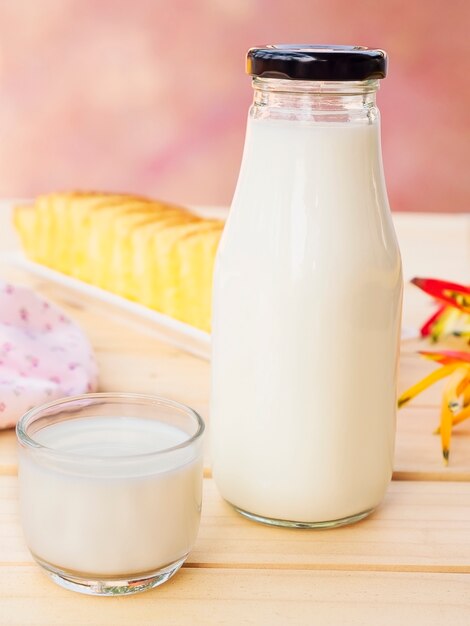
(148, 399)
(316, 87)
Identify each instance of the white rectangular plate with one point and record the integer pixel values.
(173, 331)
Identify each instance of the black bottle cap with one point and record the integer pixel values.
(316, 62)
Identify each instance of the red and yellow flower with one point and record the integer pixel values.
(451, 318)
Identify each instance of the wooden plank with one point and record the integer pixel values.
(420, 526)
(417, 450)
(251, 597)
(8, 455)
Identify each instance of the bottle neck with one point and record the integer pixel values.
(315, 101)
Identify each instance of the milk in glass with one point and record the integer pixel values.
(119, 519)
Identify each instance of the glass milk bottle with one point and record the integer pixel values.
(307, 297)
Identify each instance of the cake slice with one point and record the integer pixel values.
(155, 253)
(196, 254)
(122, 279)
(101, 236)
(24, 220)
(166, 254)
(79, 225)
(146, 266)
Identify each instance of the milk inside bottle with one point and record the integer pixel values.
(307, 297)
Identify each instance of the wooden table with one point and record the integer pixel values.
(408, 563)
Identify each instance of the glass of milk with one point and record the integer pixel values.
(110, 489)
(307, 297)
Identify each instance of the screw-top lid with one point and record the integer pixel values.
(316, 62)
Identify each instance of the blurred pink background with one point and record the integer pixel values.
(150, 96)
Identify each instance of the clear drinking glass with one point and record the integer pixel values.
(110, 489)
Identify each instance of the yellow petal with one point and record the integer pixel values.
(449, 406)
(426, 382)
